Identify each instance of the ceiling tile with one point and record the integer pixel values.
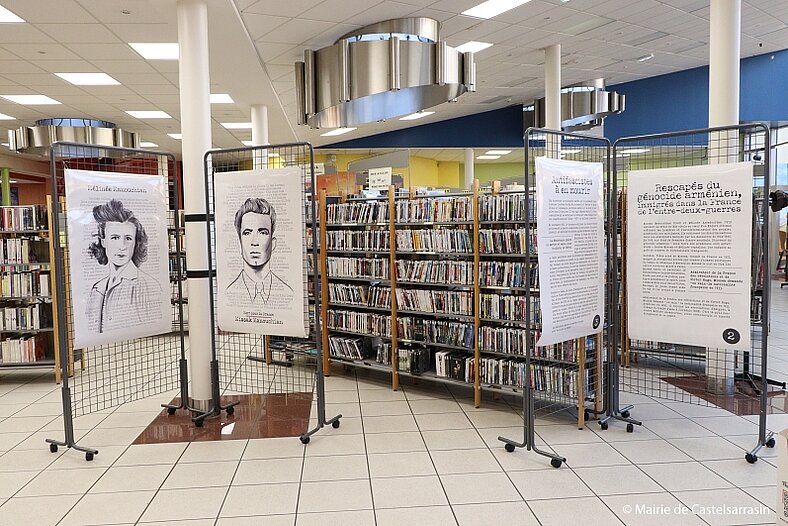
(531, 14)
(440, 16)
(141, 11)
(18, 66)
(41, 51)
(67, 66)
(145, 32)
(295, 31)
(327, 38)
(45, 11)
(382, 11)
(104, 52)
(276, 71)
(79, 33)
(123, 66)
(289, 9)
(35, 79)
(23, 34)
(337, 10)
(290, 57)
(259, 25)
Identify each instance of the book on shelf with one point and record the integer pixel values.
(22, 350)
(507, 274)
(19, 251)
(347, 348)
(351, 267)
(437, 210)
(361, 322)
(383, 352)
(358, 212)
(456, 334)
(552, 379)
(436, 301)
(443, 240)
(435, 271)
(414, 360)
(507, 241)
(27, 318)
(508, 207)
(454, 365)
(352, 240)
(24, 284)
(20, 218)
(509, 307)
(363, 295)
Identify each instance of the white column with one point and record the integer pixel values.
(469, 160)
(552, 94)
(196, 129)
(724, 56)
(259, 124)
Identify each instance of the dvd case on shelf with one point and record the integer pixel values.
(442, 240)
(350, 267)
(436, 209)
(435, 271)
(435, 301)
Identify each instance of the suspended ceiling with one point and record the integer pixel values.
(254, 43)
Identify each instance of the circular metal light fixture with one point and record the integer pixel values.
(38, 139)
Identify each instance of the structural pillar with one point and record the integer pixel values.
(552, 94)
(196, 140)
(5, 186)
(260, 135)
(469, 168)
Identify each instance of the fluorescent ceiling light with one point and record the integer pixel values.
(7, 17)
(237, 125)
(4, 117)
(149, 114)
(473, 46)
(88, 79)
(646, 57)
(221, 98)
(5, 144)
(247, 143)
(176, 136)
(338, 131)
(497, 152)
(156, 51)
(417, 115)
(30, 100)
(148, 145)
(488, 156)
(632, 151)
(492, 8)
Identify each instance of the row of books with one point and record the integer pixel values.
(383, 353)
(350, 240)
(15, 251)
(24, 284)
(506, 207)
(456, 240)
(345, 267)
(508, 307)
(414, 360)
(512, 340)
(507, 274)
(546, 378)
(437, 301)
(359, 295)
(506, 241)
(454, 365)
(434, 210)
(347, 348)
(23, 350)
(16, 218)
(27, 318)
(452, 333)
(435, 271)
(360, 212)
(360, 322)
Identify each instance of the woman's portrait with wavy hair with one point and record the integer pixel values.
(126, 293)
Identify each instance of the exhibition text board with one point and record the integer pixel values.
(689, 244)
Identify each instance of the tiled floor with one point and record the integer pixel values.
(422, 456)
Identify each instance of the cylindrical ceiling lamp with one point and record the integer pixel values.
(38, 139)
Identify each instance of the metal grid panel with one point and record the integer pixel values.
(247, 362)
(678, 372)
(125, 371)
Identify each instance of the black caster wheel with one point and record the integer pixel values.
(586, 415)
(625, 414)
(88, 456)
(556, 462)
(630, 428)
(198, 422)
(230, 410)
(770, 442)
(752, 459)
(305, 440)
(509, 448)
(603, 425)
(170, 411)
(53, 448)
(335, 424)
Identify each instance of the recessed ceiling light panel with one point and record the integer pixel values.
(149, 114)
(497, 152)
(417, 115)
(4, 117)
(148, 145)
(492, 8)
(176, 136)
(7, 17)
(221, 98)
(488, 157)
(473, 46)
(88, 79)
(338, 131)
(237, 125)
(156, 51)
(30, 100)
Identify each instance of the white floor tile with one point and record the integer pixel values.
(478, 488)
(61, 482)
(445, 421)
(549, 484)
(430, 406)
(590, 455)
(135, 420)
(495, 514)
(727, 425)
(8, 439)
(340, 495)
(146, 454)
(28, 460)
(400, 464)
(617, 480)
(765, 494)
(732, 498)
(465, 461)
(453, 439)
(569, 434)
(329, 445)
(709, 448)
(380, 395)
(178, 504)
(389, 424)
(267, 499)
(38, 511)
(422, 515)
(521, 459)
(560, 512)
(132, 478)
(200, 475)
(268, 471)
(11, 482)
(215, 451)
(395, 442)
(258, 520)
(647, 412)
(677, 428)
(71, 459)
(405, 492)
(345, 518)
(121, 436)
(741, 473)
(493, 418)
(653, 509)
(684, 476)
(262, 448)
(108, 508)
(650, 452)
(335, 468)
(392, 408)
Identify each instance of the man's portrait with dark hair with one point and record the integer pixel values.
(126, 294)
(255, 224)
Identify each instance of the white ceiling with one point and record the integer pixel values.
(254, 43)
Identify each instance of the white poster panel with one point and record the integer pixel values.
(380, 178)
(689, 243)
(570, 214)
(260, 252)
(118, 256)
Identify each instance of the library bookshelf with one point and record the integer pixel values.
(434, 287)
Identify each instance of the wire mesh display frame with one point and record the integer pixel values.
(252, 363)
(675, 369)
(586, 148)
(120, 372)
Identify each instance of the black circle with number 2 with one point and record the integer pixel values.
(731, 336)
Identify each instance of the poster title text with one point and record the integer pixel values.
(691, 199)
(567, 184)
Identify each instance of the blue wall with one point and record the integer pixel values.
(680, 101)
(501, 128)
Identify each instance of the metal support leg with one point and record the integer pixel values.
(217, 408)
(613, 411)
(68, 426)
